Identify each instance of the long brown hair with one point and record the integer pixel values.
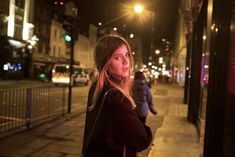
(102, 55)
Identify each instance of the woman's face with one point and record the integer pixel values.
(120, 62)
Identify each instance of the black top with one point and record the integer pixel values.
(116, 127)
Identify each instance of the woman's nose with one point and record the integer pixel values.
(125, 60)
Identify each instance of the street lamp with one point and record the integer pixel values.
(157, 52)
(138, 8)
(128, 11)
(153, 32)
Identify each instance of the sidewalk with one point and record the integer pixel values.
(174, 135)
(59, 138)
(177, 137)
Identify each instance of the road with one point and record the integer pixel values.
(36, 101)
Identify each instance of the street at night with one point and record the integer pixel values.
(52, 51)
(63, 136)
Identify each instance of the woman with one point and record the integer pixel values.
(142, 95)
(117, 132)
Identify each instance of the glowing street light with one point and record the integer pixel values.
(138, 8)
(131, 36)
(157, 52)
(129, 10)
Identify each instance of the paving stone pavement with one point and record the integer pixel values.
(58, 138)
(177, 136)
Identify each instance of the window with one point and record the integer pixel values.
(55, 34)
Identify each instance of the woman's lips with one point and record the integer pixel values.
(125, 69)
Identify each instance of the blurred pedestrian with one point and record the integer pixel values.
(142, 95)
(112, 127)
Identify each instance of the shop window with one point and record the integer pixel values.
(231, 69)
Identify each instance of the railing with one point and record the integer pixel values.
(27, 107)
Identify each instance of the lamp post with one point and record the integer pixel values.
(139, 9)
(152, 32)
(70, 37)
(130, 10)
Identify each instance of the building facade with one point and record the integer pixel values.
(16, 33)
(209, 72)
(32, 31)
(84, 48)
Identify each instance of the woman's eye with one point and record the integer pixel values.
(117, 57)
(127, 55)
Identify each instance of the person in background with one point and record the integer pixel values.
(141, 92)
(118, 132)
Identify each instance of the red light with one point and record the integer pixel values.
(59, 2)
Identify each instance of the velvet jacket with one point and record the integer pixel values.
(117, 127)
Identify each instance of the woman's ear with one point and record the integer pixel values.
(107, 73)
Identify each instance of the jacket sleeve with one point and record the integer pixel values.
(131, 131)
(150, 101)
(88, 119)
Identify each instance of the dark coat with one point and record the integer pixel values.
(117, 126)
(142, 96)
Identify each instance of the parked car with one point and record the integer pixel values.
(61, 72)
(81, 76)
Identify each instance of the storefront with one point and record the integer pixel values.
(15, 59)
(212, 85)
(42, 65)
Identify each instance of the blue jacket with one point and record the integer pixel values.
(142, 96)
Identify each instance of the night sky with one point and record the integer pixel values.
(166, 11)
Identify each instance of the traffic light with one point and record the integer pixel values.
(68, 38)
(168, 51)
